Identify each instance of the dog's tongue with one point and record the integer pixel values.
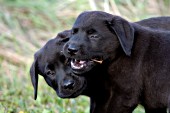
(78, 64)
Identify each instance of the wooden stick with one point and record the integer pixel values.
(98, 61)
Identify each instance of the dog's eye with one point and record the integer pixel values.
(91, 31)
(50, 72)
(74, 31)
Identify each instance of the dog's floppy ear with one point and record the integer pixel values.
(124, 32)
(63, 36)
(34, 77)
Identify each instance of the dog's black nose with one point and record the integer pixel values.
(72, 50)
(68, 84)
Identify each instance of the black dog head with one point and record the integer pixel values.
(50, 62)
(92, 33)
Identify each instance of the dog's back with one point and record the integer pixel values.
(158, 23)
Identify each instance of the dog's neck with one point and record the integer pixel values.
(99, 90)
(100, 102)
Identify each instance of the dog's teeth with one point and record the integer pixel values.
(77, 64)
(82, 62)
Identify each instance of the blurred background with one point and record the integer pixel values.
(25, 26)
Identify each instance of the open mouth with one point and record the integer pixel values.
(79, 64)
(82, 64)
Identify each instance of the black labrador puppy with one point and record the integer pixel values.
(53, 66)
(136, 61)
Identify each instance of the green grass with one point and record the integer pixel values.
(25, 25)
(17, 95)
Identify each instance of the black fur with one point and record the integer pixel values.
(50, 62)
(136, 63)
(97, 86)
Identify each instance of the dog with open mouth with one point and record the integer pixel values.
(85, 64)
(50, 62)
(136, 60)
(92, 83)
